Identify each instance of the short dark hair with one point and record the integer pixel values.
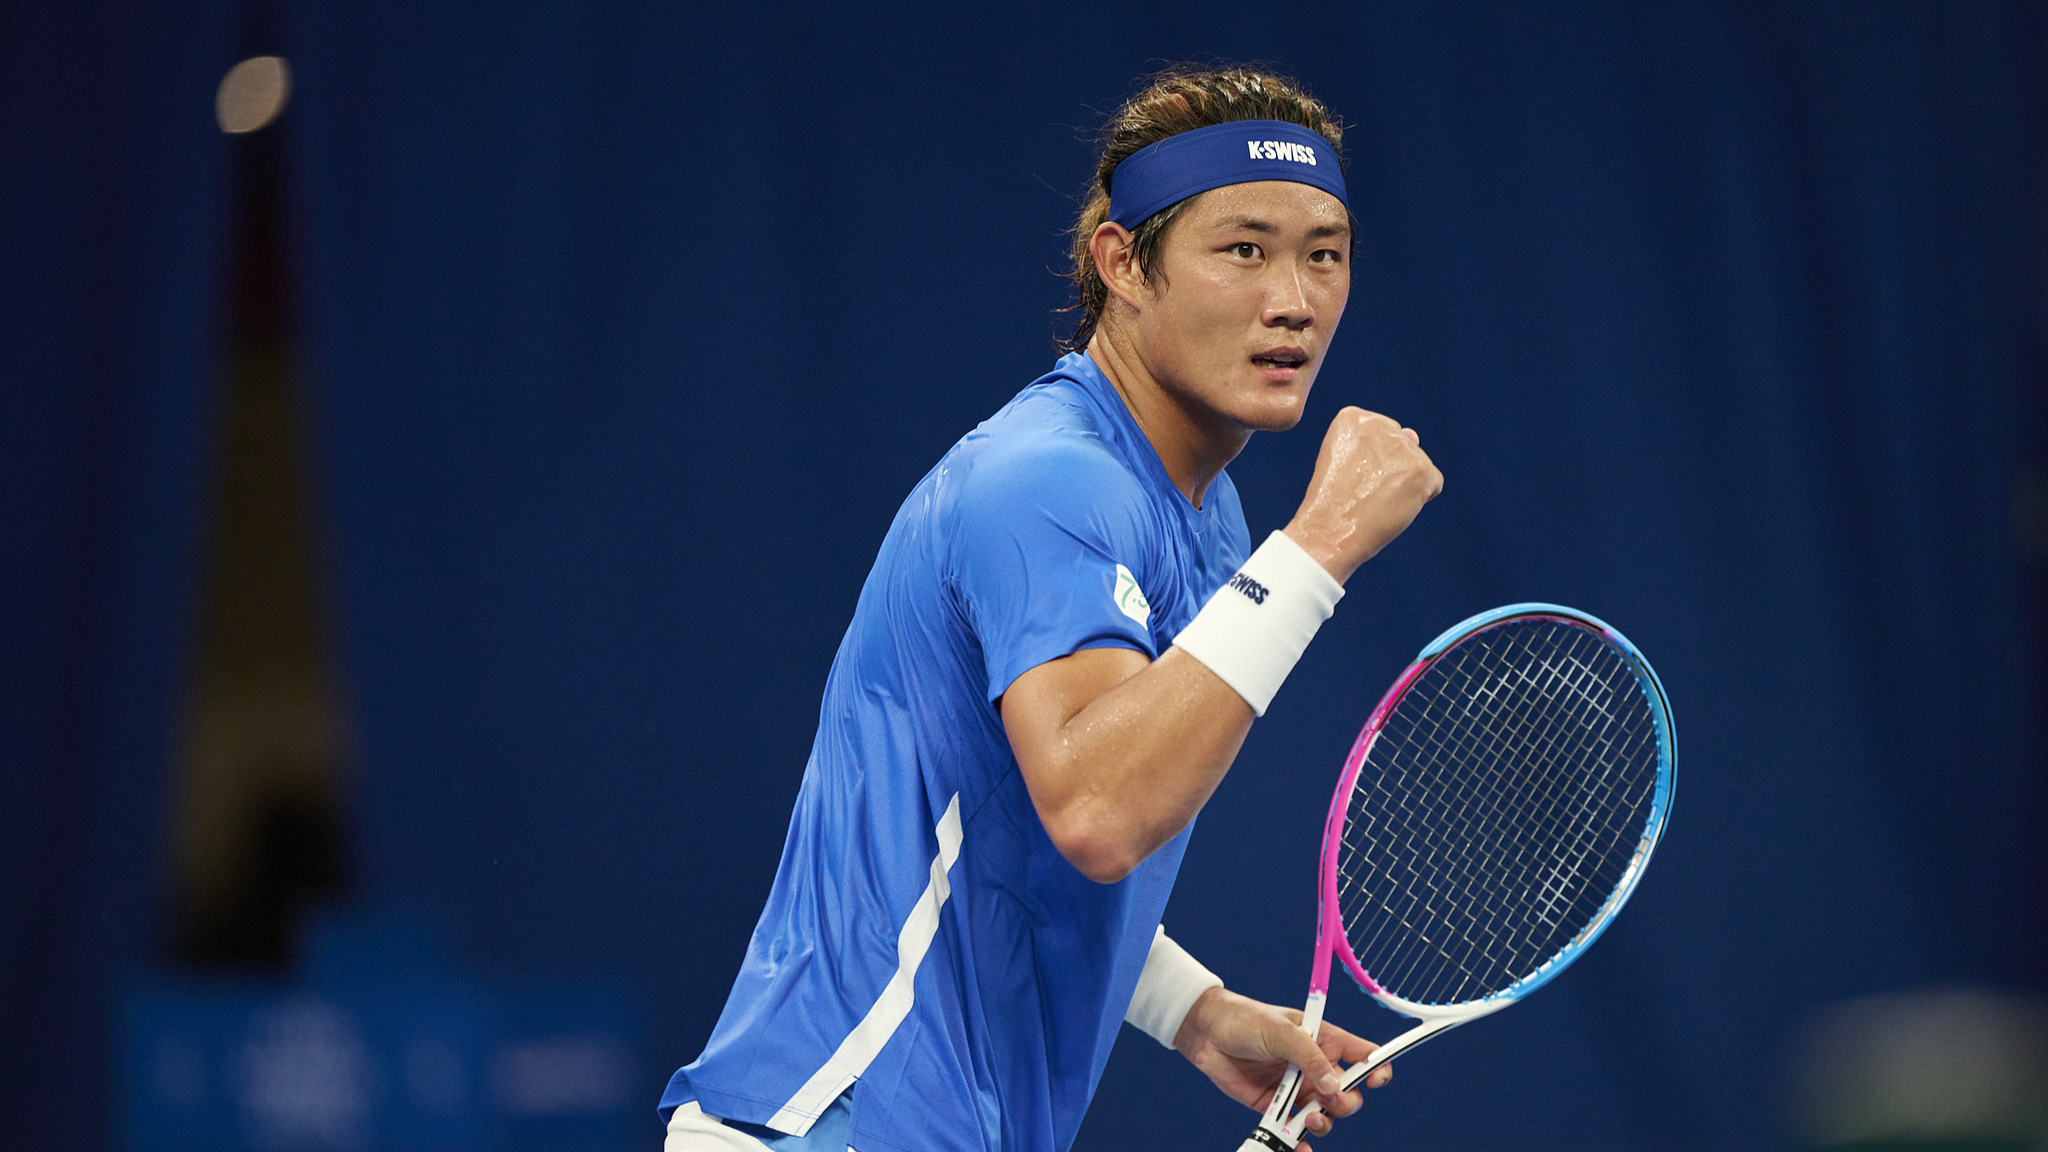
(1178, 99)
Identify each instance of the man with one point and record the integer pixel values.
(1056, 657)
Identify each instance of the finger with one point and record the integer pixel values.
(1342, 1103)
(1414, 437)
(1341, 1045)
(1318, 1124)
(1350, 1049)
(1302, 1051)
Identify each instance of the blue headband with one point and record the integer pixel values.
(1234, 153)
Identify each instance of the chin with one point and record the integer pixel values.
(1280, 423)
(1278, 417)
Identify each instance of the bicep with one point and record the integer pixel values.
(1039, 703)
(1119, 752)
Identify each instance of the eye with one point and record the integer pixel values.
(1245, 251)
(1326, 256)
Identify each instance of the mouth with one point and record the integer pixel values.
(1281, 363)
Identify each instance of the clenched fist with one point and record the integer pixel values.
(1372, 478)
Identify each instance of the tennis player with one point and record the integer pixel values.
(1062, 644)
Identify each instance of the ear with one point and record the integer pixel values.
(1116, 261)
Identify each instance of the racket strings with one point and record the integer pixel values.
(1487, 827)
(1499, 808)
(1487, 932)
(1484, 934)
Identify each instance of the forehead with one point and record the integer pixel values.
(1283, 205)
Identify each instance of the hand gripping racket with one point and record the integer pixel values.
(1493, 817)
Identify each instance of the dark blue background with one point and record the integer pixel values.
(630, 325)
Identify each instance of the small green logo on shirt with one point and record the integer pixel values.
(1130, 599)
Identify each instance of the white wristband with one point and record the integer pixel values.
(1257, 625)
(1170, 984)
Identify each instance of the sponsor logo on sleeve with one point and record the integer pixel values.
(1130, 599)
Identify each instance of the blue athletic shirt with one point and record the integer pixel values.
(924, 936)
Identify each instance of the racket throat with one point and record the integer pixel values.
(1283, 1125)
(1350, 1077)
(1312, 1012)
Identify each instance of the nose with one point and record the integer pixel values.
(1287, 304)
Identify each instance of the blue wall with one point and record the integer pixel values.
(630, 327)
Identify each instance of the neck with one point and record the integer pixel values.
(1194, 447)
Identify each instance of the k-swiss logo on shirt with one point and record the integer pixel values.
(1253, 590)
(1282, 150)
(1130, 599)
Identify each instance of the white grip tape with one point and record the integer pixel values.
(1170, 984)
(1259, 623)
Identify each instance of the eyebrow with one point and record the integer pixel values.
(1254, 224)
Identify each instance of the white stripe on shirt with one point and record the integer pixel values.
(864, 1043)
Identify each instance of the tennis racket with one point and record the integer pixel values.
(1493, 817)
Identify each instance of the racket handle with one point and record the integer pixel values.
(1264, 1139)
(1276, 1133)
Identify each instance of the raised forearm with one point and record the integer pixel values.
(1118, 753)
